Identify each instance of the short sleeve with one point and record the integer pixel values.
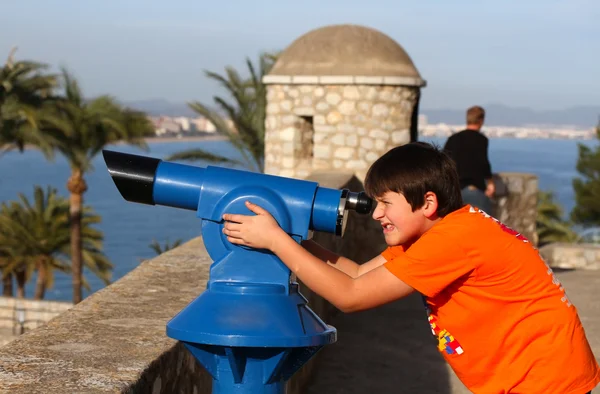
(392, 252)
(431, 264)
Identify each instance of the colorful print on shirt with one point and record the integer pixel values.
(446, 342)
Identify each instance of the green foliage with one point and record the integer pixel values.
(80, 128)
(587, 186)
(35, 236)
(25, 92)
(549, 222)
(246, 129)
(158, 249)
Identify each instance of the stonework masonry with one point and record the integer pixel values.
(334, 127)
(518, 210)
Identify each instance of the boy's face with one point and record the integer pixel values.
(400, 224)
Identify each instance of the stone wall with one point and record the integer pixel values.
(21, 315)
(519, 209)
(362, 241)
(114, 341)
(572, 256)
(334, 127)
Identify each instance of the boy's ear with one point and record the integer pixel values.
(431, 205)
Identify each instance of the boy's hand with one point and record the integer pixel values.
(260, 231)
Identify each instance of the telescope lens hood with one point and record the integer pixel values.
(133, 175)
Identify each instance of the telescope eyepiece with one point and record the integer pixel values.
(351, 201)
(359, 202)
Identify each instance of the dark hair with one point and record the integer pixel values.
(413, 170)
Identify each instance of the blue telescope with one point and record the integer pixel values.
(251, 329)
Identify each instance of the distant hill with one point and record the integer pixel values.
(502, 115)
(497, 114)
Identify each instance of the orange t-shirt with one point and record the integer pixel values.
(502, 319)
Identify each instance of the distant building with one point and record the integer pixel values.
(204, 125)
(183, 122)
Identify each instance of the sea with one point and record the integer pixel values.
(130, 228)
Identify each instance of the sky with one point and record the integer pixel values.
(542, 54)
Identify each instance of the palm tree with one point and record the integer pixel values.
(245, 129)
(9, 244)
(549, 223)
(7, 278)
(35, 236)
(80, 129)
(25, 90)
(7, 275)
(158, 249)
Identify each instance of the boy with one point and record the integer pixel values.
(503, 321)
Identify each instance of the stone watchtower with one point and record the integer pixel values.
(338, 98)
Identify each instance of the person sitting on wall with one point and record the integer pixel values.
(469, 150)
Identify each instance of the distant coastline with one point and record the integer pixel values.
(216, 137)
(154, 140)
(187, 138)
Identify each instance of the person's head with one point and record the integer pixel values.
(475, 117)
(414, 186)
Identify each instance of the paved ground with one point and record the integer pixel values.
(366, 359)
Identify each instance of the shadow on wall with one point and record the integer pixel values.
(389, 349)
(386, 350)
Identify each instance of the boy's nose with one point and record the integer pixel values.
(377, 212)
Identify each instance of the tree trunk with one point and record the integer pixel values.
(40, 284)
(76, 186)
(20, 276)
(7, 284)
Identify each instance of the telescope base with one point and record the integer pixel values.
(250, 370)
(250, 337)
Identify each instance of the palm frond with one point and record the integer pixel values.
(247, 111)
(550, 225)
(37, 231)
(158, 249)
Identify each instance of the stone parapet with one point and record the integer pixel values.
(362, 241)
(518, 210)
(20, 315)
(572, 256)
(114, 341)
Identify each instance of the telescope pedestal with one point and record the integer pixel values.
(250, 337)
